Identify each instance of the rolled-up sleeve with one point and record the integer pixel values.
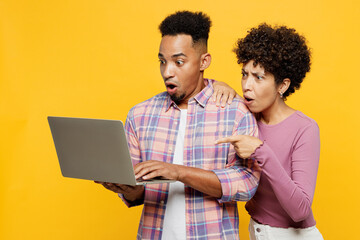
(239, 179)
(238, 182)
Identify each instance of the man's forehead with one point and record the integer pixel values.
(178, 44)
(176, 40)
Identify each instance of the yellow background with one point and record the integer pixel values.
(97, 59)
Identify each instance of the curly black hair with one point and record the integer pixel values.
(195, 24)
(280, 50)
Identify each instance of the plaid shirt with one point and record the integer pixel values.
(152, 127)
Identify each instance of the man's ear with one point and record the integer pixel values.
(283, 87)
(205, 61)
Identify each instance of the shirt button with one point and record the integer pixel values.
(170, 149)
(175, 122)
(158, 229)
(258, 229)
(161, 202)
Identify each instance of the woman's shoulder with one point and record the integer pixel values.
(294, 121)
(302, 120)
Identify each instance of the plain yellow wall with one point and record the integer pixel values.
(97, 59)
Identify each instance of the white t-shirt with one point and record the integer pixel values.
(174, 219)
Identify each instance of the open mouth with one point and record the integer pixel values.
(248, 99)
(171, 86)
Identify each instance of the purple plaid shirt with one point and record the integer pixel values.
(152, 127)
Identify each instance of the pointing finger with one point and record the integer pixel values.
(231, 139)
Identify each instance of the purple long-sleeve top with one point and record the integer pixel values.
(289, 158)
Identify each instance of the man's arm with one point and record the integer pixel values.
(199, 179)
(238, 181)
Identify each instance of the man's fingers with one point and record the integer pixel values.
(115, 188)
(149, 165)
(110, 186)
(124, 188)
(145, 169)
(151, 175)
(143, 165)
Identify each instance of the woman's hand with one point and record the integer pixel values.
(244, 145)
(223, 94)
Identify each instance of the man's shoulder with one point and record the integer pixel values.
(157, 101)
(237, 106)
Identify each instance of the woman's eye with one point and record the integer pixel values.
(260, 77)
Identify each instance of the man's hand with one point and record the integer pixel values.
(151, 169)
(131, 193)
(223, 94)
(244, 145)
(202, 180)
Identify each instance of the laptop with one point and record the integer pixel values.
(94, 149)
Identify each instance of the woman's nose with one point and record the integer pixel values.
(247, 84)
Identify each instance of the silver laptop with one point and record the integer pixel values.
(94, 149)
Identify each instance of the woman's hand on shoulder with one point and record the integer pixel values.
(244, 145)
(223, 94)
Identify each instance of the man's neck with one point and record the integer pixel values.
(200, 86)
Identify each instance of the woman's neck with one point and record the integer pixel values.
(278, 112)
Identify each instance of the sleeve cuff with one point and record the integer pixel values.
(258, 152)
(225, 181)
(235, 186)
(130, 204)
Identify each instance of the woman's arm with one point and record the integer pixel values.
(295, 192)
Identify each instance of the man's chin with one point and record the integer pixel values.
(177, 99)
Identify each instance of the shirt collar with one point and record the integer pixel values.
(202, 97)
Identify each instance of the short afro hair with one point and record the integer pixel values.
(195, 24)
(280, 50)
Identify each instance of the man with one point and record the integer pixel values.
(172, 135)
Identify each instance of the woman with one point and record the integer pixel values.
(275, 61)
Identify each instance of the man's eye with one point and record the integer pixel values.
(161, 61)
(260, 77)
(179, 62)
(244, 74)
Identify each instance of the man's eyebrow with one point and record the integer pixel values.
(178, 55)
(173, 56)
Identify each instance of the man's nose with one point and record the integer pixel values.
(168, 71)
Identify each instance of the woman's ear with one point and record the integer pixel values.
(205, 61)
(283, 87)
